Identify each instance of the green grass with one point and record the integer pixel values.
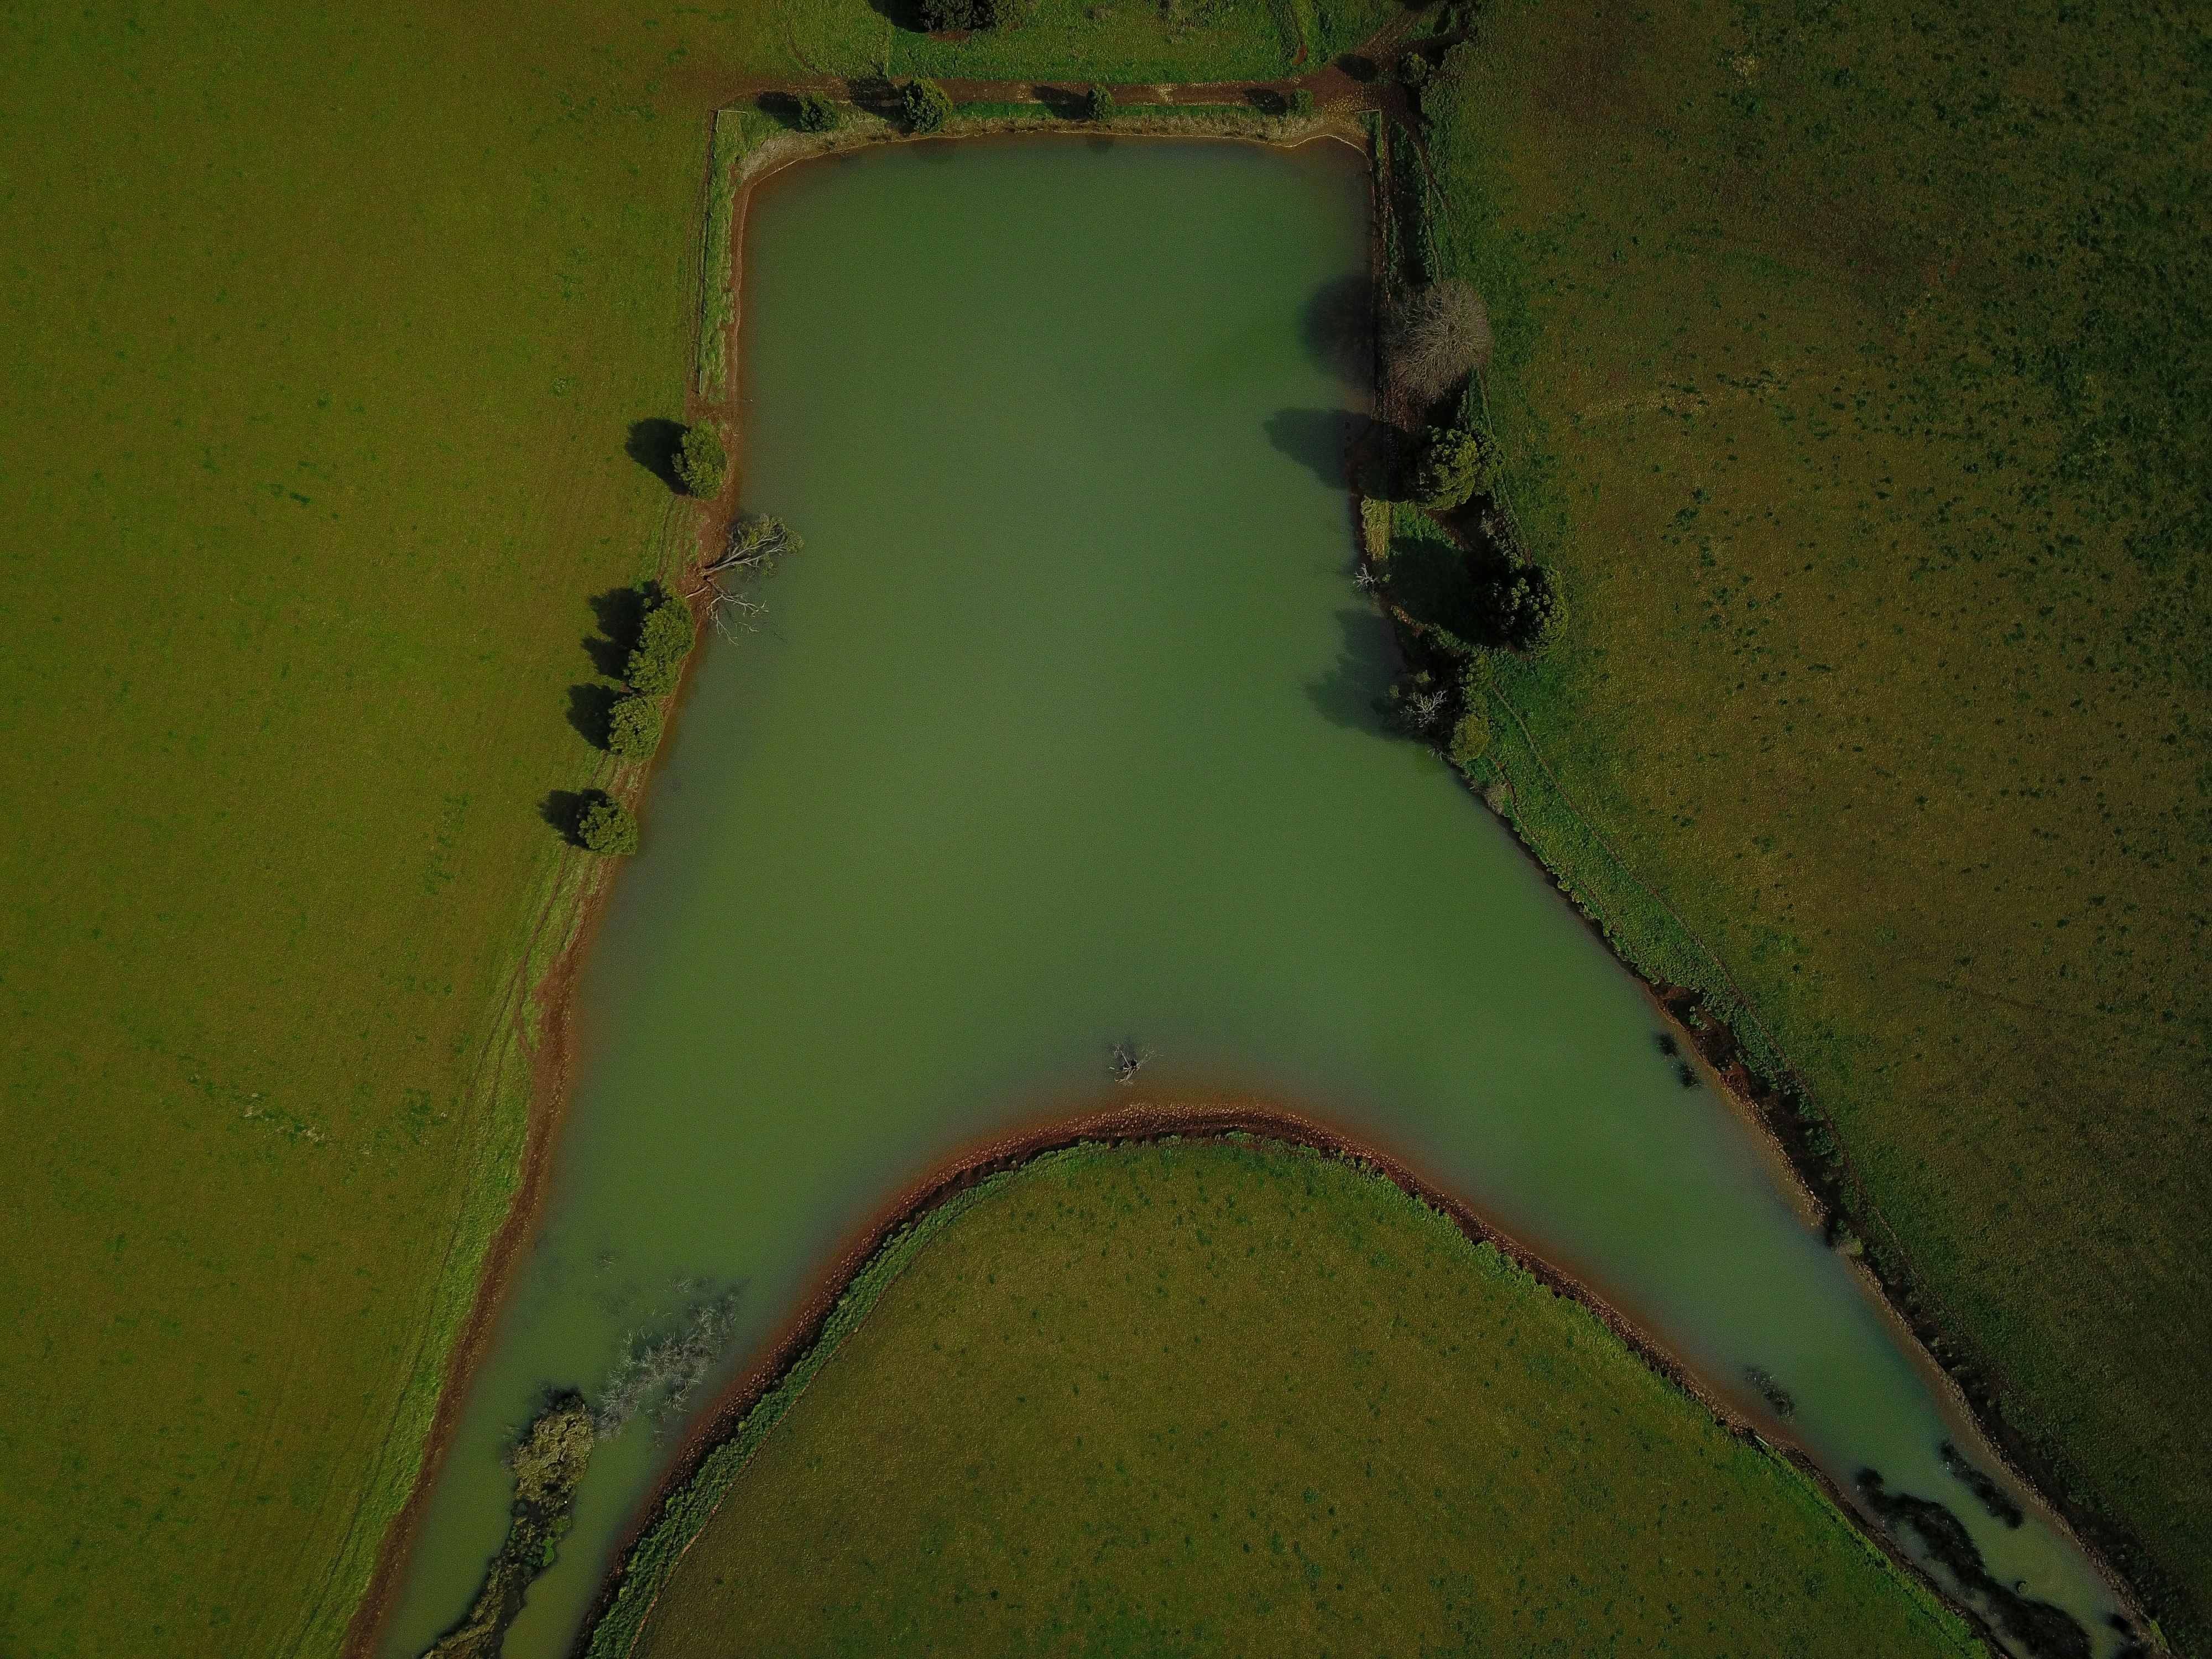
(1212, 1398)
(325, 328)
(1853, 365)
(324, 331)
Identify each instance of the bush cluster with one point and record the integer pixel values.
(656, 663)
(941, 16)
(633, 727)
(1522, 607)
(1447, 466)
(928, 106)
(1098, 105)
(606, 827)
(818, 113)
(701, 463)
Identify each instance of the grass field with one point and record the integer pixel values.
(1210, 1398)
(1854, 365)
(325, 330)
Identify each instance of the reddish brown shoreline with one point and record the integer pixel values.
(1148, 1122)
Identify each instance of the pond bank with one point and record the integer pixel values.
(880, 1250)
(1339, 698)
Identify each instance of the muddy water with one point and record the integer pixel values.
(1060, 733)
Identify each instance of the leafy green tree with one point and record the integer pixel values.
(818, 113)
(657, 662)
(928, 105)
(1447, 467)
(1470, 737)
(633, 727)
(607, 827)
(1524, 607)
(1302, 104)
(941, 16)
(1098, 103)
(701, 462)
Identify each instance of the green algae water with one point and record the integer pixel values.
(1060, 733)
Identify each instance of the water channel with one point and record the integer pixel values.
(1061, 732)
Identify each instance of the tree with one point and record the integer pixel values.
(1302, 105)
(1440, 336)
(656, 663)
(1447, 467)
(818, 113)
(942, 16)
(607, 827)
(1523, 607)
(1098, 103)
(633, 727)
(1470, 737)
(701, 462)
(927, 106)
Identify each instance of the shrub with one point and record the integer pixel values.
(1447, 467)
(1523, 607)
(701, 462)
(1302, 105)
(927, 106)
(633, 727)
(1440, 336)
(657, 663)
(1098, 105)
(1412, 68)
(1470, 737)
(818, 113)
(941, 16)
(607, 827)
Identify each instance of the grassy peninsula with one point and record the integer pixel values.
(1208, 1397)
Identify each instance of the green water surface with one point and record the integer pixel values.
(1061, 733)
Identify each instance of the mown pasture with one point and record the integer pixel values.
(1852, 364)
(1197, 1397)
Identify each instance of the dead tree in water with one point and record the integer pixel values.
(754, 546)
(1125, 1060)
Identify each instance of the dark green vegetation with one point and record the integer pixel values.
(655, 665)
(1240, 1398)
(606, 827)
(701, 463)
(633, 727)
(326, 328)
(549, 1465)
(1098, 105)
(818, 113)
(1852, 365)
(927, 106)
(1446, 468)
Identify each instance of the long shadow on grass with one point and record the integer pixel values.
(590, 711)
(652, 445)
(563, 810)
(620, 612)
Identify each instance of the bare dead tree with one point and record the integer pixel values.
(1125, 1059)
(751, 551)
(1439, 335)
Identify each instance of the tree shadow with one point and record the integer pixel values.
(563, 810)
(1314, 438)
(1065, 103)
(621, 615)
(1351, 694)
(1359, 66)
(654, 443)
(781, 107)
(1337, 328)
(590, 711)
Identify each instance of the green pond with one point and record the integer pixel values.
(1060, 731)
